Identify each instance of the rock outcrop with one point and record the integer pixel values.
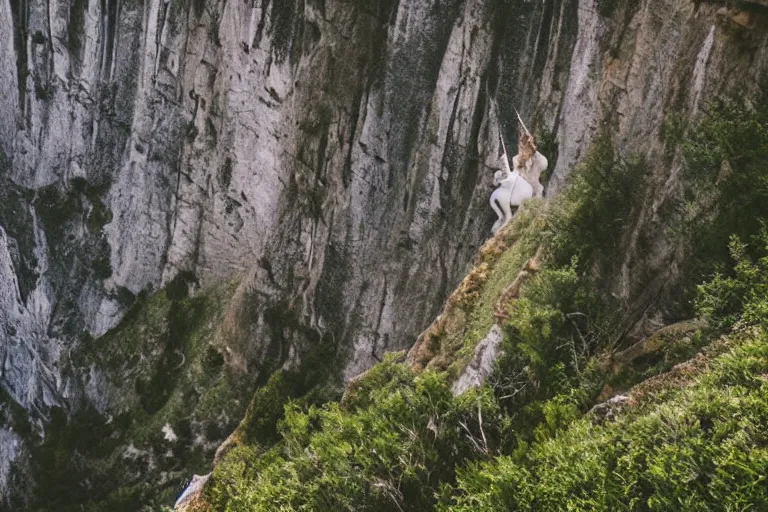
(482, 363)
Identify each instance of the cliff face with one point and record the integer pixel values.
(334, 157)
(284, 142)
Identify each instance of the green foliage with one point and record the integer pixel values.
(673, 129)
(725, 299)
(387, 376)
(266, 409)
(403, 442)
(541, 328)
(595, 211)
(400, 441)
(694, 448)
(391, 454)
(162, 369)
(62, 458)
(702, 448)
(726, 182)
(555, 328)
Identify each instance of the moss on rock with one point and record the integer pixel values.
(172, 401)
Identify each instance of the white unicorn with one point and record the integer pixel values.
(512, 191)
(516, 186)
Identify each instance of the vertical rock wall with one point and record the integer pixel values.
(335, 155)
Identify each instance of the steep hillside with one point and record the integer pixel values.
(532, 391)
(206, 200)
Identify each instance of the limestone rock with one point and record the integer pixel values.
(608, 410)
(483, 362)
(187, 499)
(333, 155)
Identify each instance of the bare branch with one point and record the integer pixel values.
(514, 393)
(471, 437)
(480, 421)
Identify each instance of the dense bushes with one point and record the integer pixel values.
(726, 187)
(398, 442)
(726, 181)
(742, 295)
(702, 449)
(544, 376)
(388, 451)
(525, 441)
(595, 211)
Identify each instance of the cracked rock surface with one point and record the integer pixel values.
(334, 156)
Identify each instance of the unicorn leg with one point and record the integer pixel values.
(495, 200)
(507, 208)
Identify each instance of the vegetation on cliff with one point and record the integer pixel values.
(687, 432)
(172, 401)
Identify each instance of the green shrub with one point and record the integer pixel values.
(266, 409)
(695, 448)
(541, 334)
(596, 211)
(726, 179)
(389, 455)
(388, 375)
(727, 298)
(556, 328)
(701, 449)
(595, 203)
(401, 441)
